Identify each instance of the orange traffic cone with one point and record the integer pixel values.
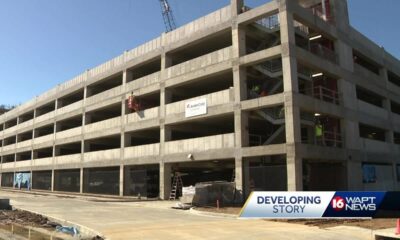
(398, 227)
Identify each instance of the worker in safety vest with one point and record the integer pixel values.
(319, 132)
(255, 91)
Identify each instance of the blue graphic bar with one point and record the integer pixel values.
(322, 205)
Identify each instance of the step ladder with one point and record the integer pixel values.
(176, 186)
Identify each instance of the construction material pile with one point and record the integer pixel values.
(209, 193)
(23, 218)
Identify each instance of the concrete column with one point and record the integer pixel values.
(241, 129)
(238, 41)
(81, 181)
(166, 61)
(239, 179)
(395, 182)
(56, 151)
(345, 55)
(32, 155)
(383, 73)
(127, 141)
(242, 179)
(239, 84)
(165, 135)
(86, 119)
(86, 147)
(289, 63)
(389, 137)
(341, 15)
(240, 93)
(292, 112)
(30, 182)
(236, 7)
(127, 179)
(347, 90)
(127, 75)
(294, 161)
(397, 176)
(52, 180)
(121, 180)
(354, 174)
(165, 180)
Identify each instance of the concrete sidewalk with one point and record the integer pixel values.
(155, 220)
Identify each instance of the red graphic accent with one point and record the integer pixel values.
(338, 203)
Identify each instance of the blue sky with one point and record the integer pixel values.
(46, 42)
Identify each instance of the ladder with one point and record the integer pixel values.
(176, 186)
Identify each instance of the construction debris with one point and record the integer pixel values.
(27, 219)
(182, 206)
(188, 194)
(23, 218)
(208, 193)
(73, 231)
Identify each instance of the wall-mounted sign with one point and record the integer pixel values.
(196, 107)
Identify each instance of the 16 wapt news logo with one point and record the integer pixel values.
(354, 203)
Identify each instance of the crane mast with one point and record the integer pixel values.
(168, 17)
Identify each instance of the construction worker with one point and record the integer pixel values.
(255, 91)
(319, 132)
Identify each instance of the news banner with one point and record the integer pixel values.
(322, 205)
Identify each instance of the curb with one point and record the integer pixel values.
(82, 229)
(212, 214)
(79, 196)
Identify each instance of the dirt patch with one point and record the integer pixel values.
(24, 218)
(373, 224)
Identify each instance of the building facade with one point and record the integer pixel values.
(282, 96)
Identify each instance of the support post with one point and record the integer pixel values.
(292, 111)
(121, 180)
(165, 181)
(81, 181)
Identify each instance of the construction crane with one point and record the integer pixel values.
(168, 17)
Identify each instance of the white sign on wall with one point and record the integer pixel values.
(196, 107)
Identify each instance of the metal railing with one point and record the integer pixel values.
(256, 140)
(302, 28)
(271, 22)
(276, 113)
(323, 93)
(318, 12)
(329, 139)
(273, 66)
